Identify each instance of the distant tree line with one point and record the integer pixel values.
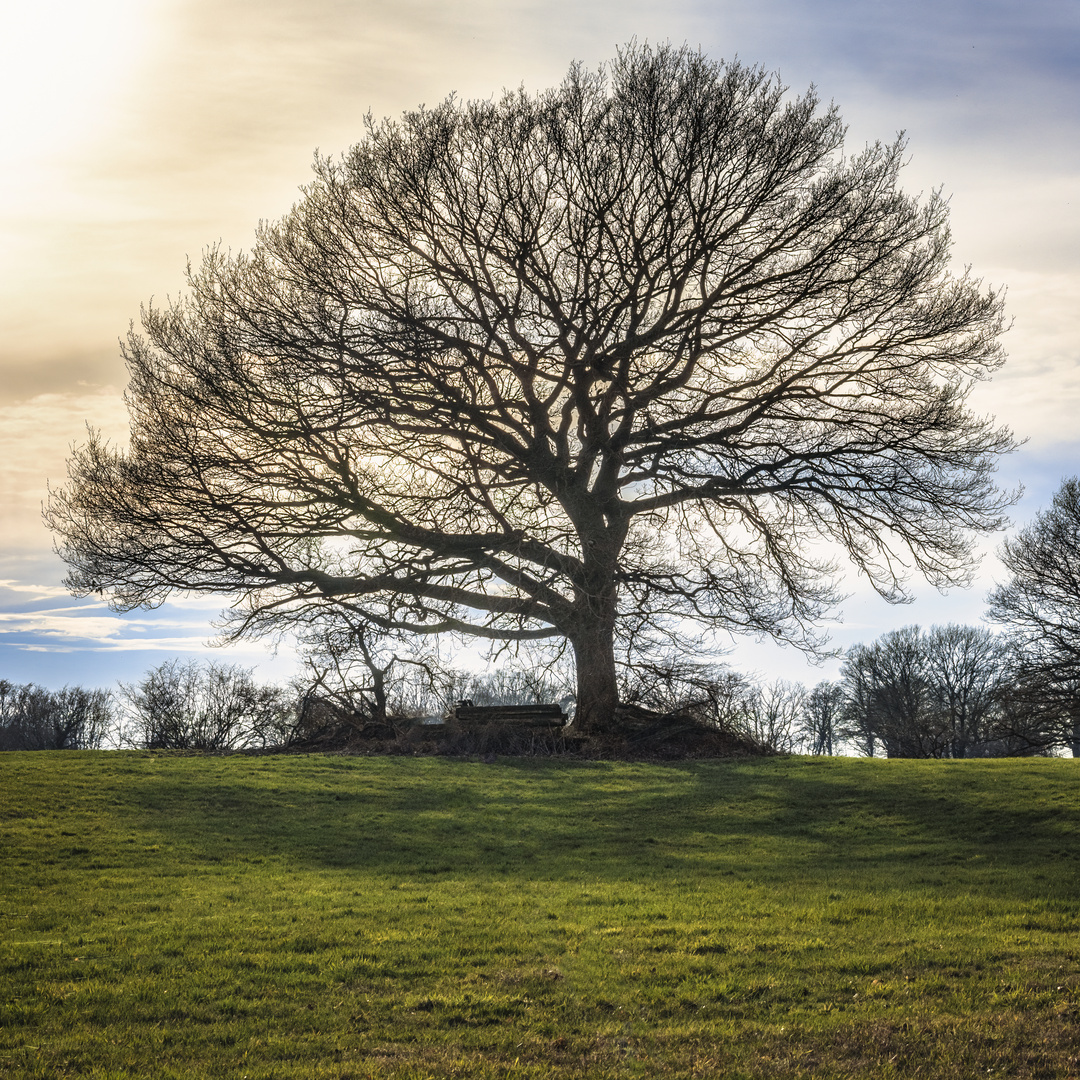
(947, 692)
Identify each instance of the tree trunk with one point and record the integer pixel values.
(597, 686)
(592, 631)
(378, 681)
(378, 695)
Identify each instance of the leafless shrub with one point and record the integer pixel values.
(185, 705)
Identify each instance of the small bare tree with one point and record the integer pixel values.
(774, 720)
(362, 672)
(968, 671)
(185, 705)
(891, 697)
(821, 721)
(710, 694)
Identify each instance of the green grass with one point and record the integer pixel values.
(167, 916)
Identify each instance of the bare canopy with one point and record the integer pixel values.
(1040, 605)
(594, 365)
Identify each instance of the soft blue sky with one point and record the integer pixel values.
(135, 132)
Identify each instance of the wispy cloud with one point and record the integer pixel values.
(37, 592)
(92, 646)
(82, 626)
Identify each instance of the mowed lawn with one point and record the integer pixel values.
(324, 916)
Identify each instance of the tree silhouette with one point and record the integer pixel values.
(597, 366)
(1040, 603)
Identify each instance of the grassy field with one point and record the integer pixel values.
(168, 916)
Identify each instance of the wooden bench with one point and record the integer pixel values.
(469, 716)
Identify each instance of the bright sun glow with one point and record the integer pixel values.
(64, 66)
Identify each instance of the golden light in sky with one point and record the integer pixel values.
(64, 69)
(62, 65)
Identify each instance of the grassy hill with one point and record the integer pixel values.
(174, 916)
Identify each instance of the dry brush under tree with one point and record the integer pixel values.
(597, 366)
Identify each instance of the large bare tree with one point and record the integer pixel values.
(596, 366)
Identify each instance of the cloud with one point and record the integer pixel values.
(46, 618)
(84, 626)
(996, 55)
(91, 645)
(38, 592)
(81, 642)
(1037, 392)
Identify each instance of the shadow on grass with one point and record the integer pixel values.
(1010, 824)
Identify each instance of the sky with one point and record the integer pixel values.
(136, 133)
